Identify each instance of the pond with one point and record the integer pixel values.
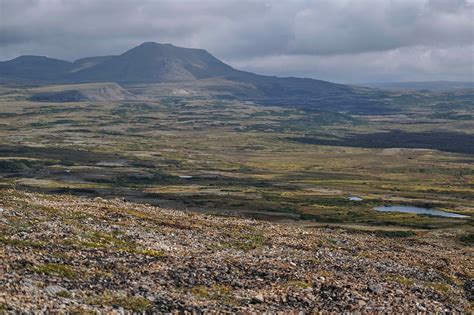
(419, 210)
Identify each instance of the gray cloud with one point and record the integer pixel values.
(341, 40)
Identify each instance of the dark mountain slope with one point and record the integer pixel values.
(33, 68)
(152, 63)
(88, 62)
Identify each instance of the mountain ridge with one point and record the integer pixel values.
(199, 63)
(154, 63)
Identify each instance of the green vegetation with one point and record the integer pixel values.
(59, 270)
(220, 293)
(244, 242)
(386, 233)
(64, 294)
(402, 280)
(299, 284)
(467, 239)
(20, 243)
(239, 158)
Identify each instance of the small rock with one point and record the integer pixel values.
(54, 289)
(375, 288)
(28, 285)
(258, 298)
(361, 302)
(421, 308)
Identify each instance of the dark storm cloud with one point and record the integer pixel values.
(342, 40)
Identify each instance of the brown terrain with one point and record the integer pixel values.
(78, 255)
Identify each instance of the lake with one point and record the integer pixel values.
(419, 210)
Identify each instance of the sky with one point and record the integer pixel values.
(337, 40)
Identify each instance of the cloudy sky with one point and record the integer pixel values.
(338, 40)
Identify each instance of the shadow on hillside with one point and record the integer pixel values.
(444, 141)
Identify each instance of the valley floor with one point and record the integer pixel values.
(72, 254)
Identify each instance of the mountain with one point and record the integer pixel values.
(432, 86)
(33, 69)
(146, 63)
(153, 63)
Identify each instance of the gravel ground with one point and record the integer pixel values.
(78, 255)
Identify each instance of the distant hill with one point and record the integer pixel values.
(432, 86)
(81, 92)
(153, 63)
(33, 69)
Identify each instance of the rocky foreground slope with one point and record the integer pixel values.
(64, 253)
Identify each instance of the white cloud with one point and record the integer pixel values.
(397, 39)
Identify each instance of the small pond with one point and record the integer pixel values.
(419, 210)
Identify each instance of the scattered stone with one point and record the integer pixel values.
(115, 256)
(375, 288)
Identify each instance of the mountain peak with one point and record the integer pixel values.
(33, 58)
(164, 49)
(154, 44)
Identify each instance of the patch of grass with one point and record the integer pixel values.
(59, 270)
(98, 239)
(384, 233)
(439, 287)
(314, 261)
(151, 253)
(64, 294)
(401, 280)
(392, 233)
(102, 240)
(21, 243)
(467, 239)
(244, 242)
(19, 164)
(298, 284)
(218, 292)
